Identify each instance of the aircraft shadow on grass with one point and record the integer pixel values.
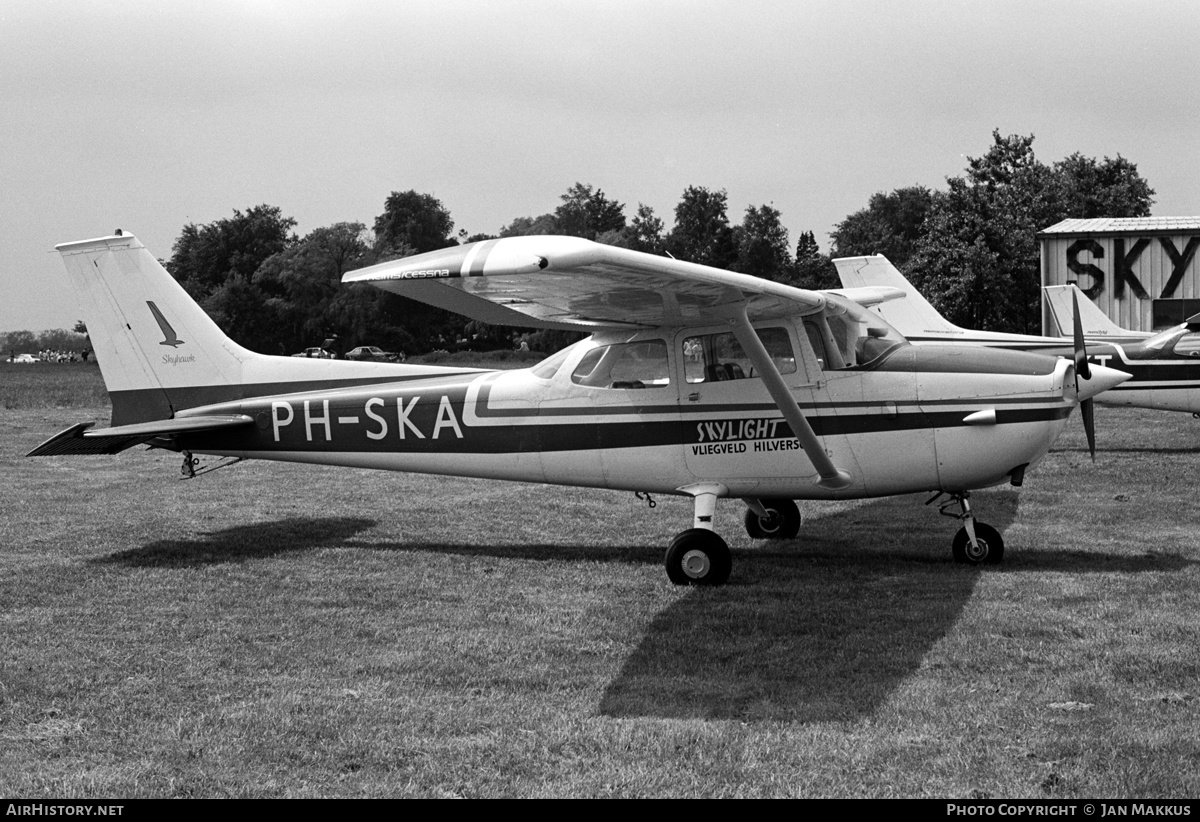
(823, 629)
(242, 542)
(856, 600)
(827, 631)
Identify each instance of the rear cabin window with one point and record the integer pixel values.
(548, 367)
(719, 357)
(624, 365)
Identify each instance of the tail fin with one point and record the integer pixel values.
(913, 316)
(1095, 322)
(160, 353)
(149, 336)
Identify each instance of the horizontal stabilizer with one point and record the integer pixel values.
(914, 316)
(79, 440)
(871, 295)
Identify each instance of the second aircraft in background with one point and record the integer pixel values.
(1165, 365)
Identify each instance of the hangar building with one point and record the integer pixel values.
(1141, 271)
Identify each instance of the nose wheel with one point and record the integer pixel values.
(988, 548)
(976, 543)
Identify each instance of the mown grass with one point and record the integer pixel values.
(51, 385)
(276, 630)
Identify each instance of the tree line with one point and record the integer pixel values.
(971, 248)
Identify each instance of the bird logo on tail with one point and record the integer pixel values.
(169, 337)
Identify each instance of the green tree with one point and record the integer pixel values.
(20, 342)
(586, 212)
(528, 226)
(812, 269)
(216, 262)
(976, 257)
(646, 231)
(890, 225)
(413, 222)
(59, 339)
(762, 245)
(701, 233)
(301, 285)
(205, 256)
(1112, 188)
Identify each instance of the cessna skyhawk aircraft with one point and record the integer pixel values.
(1164, 366)
(696, 382)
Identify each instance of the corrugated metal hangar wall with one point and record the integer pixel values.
(1141, 271)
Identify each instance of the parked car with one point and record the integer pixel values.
(373, 353)
(315, 353)
(25, 358)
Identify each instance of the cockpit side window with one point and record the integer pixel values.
(1179, 342)
(719, 357)
(1188, 346)
(641, 364)
(829, 354)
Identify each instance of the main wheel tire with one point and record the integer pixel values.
(698, 556)
(989, 552)
(784, 522)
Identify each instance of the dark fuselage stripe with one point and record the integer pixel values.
(143, 404)
(314, 434)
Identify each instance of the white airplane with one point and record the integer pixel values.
(1164, 366)
(695, 382)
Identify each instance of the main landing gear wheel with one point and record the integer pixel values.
(783, 522)
(990, 549)
(698, 556)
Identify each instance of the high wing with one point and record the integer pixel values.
(572, 283)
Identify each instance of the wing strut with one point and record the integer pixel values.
(831, 476)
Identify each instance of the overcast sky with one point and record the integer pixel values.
(149, 116)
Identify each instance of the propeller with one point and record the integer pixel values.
(1083, 371)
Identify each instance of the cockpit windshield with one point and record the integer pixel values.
(846, 335)
(1182, 341)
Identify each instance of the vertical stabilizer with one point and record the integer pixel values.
(913, 316)
(1095, 322)
(148, 334)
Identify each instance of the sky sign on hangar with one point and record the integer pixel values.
(1141, 271)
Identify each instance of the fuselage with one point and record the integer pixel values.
(658, 410)
(1164, 369)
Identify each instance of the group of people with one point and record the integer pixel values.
(54, 355)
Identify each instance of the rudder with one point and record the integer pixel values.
(913, 316)
(148, 334)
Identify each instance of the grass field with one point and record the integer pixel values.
(272, 630)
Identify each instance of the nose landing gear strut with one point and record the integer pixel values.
(976, 543)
